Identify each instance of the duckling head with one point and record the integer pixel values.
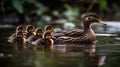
(92, 17)
(20, 34)
(47, 35)
(20, 28)
(49, 28)
(30, 28)
(39, 32)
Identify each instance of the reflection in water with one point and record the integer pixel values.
(64, 55)
(67, 47)
(92, 60)
(88, 50)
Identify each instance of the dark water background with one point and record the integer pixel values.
(104, 53)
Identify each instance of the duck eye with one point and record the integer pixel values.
(89, 18)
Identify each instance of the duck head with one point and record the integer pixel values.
(30, 29)
(20, 28)
(39, 32)
(49, 28)
(92, 17)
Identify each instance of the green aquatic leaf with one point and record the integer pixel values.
(71, 11)
(18, 5)
(41, 9)
(32, 1)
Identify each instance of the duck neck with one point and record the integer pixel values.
(87, 27)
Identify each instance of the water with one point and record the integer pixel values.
(104, 53)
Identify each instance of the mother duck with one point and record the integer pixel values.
(86, 35)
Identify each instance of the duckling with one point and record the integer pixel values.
(19, 40)
(55, 35)
(20, 29)
(39, 33)
(49, 28)
(46, 41)
(30, 30)
(82, 36)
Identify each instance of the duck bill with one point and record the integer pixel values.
(100, 21)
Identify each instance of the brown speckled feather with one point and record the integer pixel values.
(80, 39)
(73, 33)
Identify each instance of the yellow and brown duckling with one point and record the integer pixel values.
(82, 36)
(46, 41)
(19, 40)
(49, 28)
(18, 29)
(38, 35)
(30, 30)
(55, 35)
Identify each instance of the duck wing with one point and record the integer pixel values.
(73, 33)
(80, 39)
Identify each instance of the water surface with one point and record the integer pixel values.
(104, 53)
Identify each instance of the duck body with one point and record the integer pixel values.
(70, 33)
(85, 35)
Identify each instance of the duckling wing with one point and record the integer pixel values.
(37, 42)
(30, 39)
(12, 36)
(12, 40)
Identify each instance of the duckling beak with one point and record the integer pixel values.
(100, 21)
